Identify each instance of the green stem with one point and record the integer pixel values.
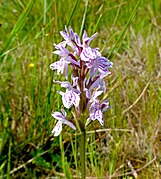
(82, 152)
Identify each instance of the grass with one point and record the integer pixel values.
(129, 144)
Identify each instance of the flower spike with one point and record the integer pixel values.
(85, 69)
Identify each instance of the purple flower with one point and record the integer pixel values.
(59, 66)
(85, 39)
(100, 66)
(96, 110)
(67, 85)
(61, 50)
(68, 35)
(63, 62)
(85, 83)
(61, 117)
(66, 59)
(71, 39)
(93, 97)
(99, 84)
(88, 54)
(72, 95)
(70, 98)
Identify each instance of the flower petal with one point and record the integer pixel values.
(103, 63)
(58, 116)
(61, 117)
(98, 83)
(66, 99)
(59, 66)
(87, 40)
(63, 112)
(69, 98)
(75, 81)
(57, 129)
(64, 84)
(76, 99)
(96, 94)
(84, 35)
(99, 116)
(89, 54)
(105, 105)
(69, 124)
(65, 36)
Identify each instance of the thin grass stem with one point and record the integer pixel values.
(83, 20)
(82, 152)
(72, 13)
(118, 42)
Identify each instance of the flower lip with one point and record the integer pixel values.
(70, 98)
(59, 66)
(88, 54)
(57, 129)
(97, 108)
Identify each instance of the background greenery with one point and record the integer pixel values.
(129, 146)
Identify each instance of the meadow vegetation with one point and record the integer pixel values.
(129, 145)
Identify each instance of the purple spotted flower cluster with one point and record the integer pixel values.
(85, 69)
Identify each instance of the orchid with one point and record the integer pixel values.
(61, 117)
(70, 98)
(97, 109)
(72, 95)
(85, 83)
(88, 54)
(100, 66)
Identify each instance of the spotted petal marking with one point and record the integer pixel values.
(57, 129)
(89, 53)
(70, 98)
(99, 116)
(59, 66)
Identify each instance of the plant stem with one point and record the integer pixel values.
(82, 152)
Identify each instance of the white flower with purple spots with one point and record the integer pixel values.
(88, 54)
(66, 59)
(72, 95)
(98, 84)
(62, 63)
(96, 110)
(70, 98)
(61, 117)
(85, 69)
(100, 66)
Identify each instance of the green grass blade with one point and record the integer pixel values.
(9, 159)
(62, 152)
(65, 165)
(44, 22)
(72, 13)
(97, 23)
(122, 35)
(84, 17)
(18, 26)
(1, 167)
(37, 36)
